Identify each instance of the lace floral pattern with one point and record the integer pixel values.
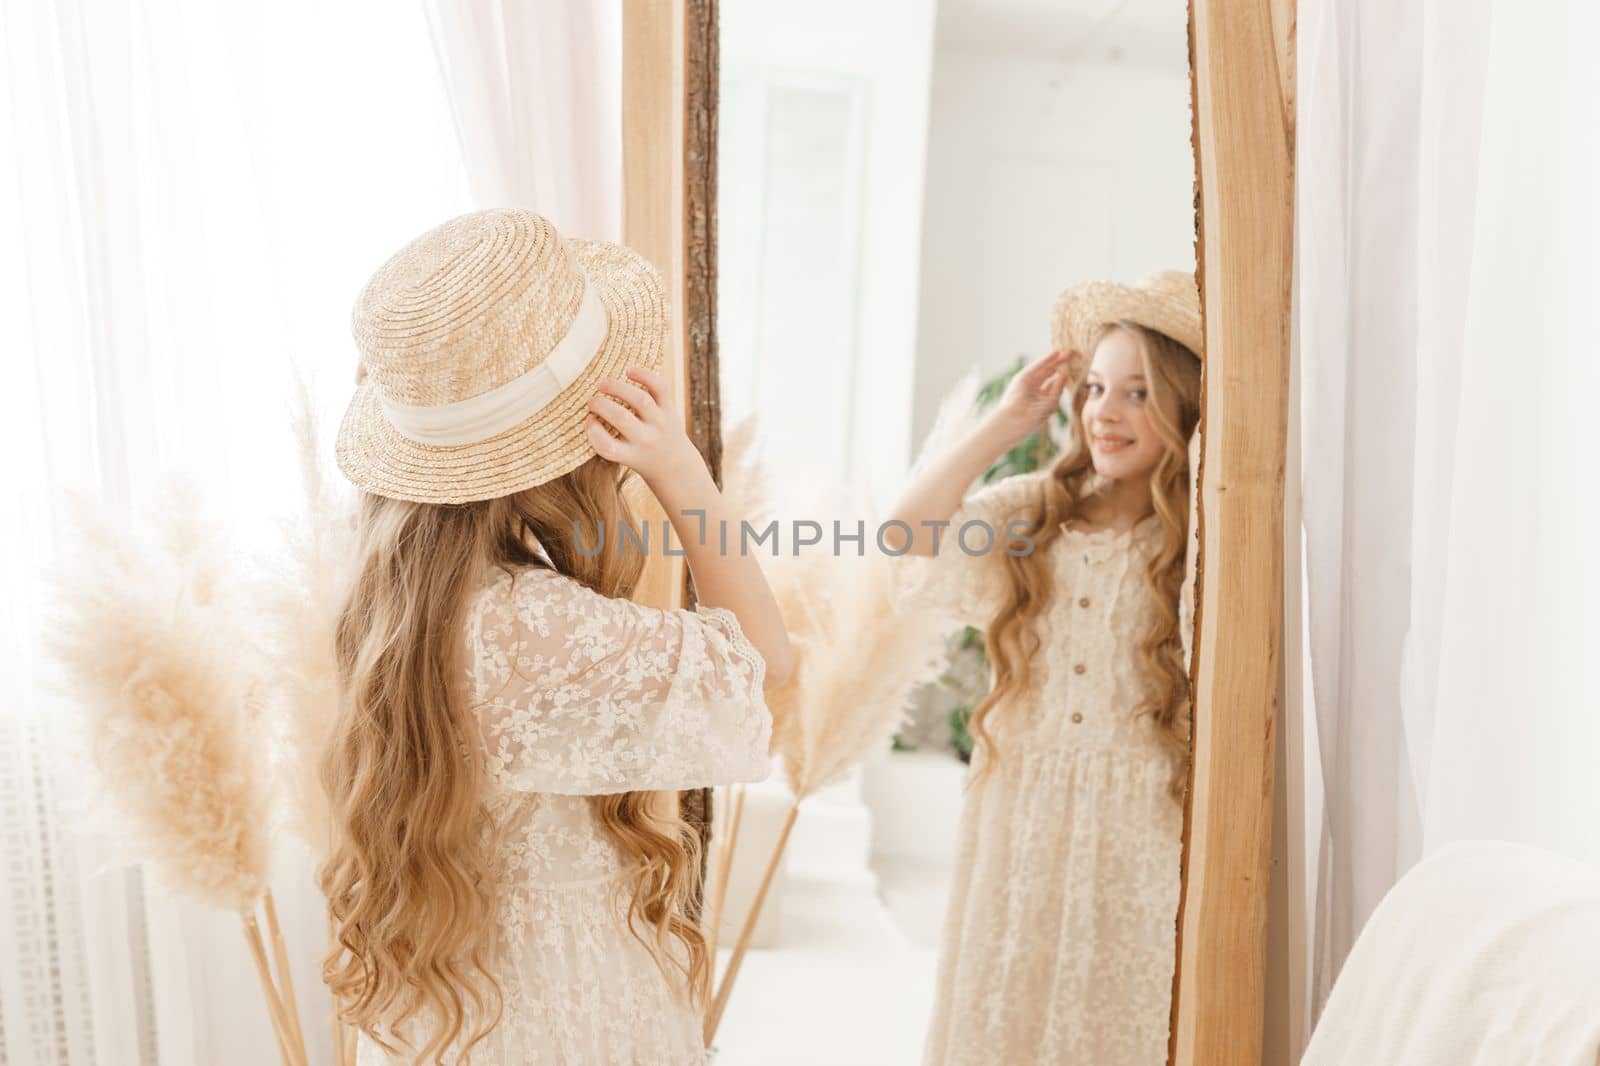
(579, 694)
(1060, 939)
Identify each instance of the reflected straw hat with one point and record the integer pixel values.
(1167, 302)
(483, 341)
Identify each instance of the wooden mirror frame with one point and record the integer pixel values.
(1242, 67)
(1241, 61)
(669, 213)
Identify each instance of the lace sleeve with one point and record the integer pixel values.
(582, 694)
(967, 578)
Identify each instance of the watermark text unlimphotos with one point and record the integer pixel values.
(972, 537)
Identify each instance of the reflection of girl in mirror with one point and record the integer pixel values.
(1059, 942)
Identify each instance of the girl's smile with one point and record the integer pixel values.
(1110, 444)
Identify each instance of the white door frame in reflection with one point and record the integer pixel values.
(1242, 64)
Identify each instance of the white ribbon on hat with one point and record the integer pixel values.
(478, 418)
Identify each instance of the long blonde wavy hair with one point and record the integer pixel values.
(409, 878)
(1173, 375)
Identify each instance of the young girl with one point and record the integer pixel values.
(1059, 943)
(503, 887)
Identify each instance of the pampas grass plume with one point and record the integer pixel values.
(299, 607)
(164, 680)
(957, 415)
(856, 658)
(861, 662)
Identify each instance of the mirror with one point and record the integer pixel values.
(904, 193)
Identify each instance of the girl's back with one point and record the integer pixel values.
(580, 696)
(507, 861)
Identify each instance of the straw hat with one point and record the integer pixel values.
(1167, 302)
(483, 340)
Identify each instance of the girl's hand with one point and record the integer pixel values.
(649, 438)
(1034, 394)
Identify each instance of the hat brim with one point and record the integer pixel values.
(1083, 310)
(379, 459)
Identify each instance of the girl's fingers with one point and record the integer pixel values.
(633, 395)
(653, 383)
(601, 440)
(1054, 383)
(614, 414)
(1042, 366)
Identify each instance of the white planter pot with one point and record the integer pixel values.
(915, 799)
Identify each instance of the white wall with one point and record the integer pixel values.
(823, 134)
(823, 124)
(1043, 173)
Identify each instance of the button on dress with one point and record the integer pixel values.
(1059, 943)
(578, 694)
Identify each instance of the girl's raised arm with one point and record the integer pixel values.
(650, 440)
(933, 496)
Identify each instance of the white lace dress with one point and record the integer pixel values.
(1059, 944)
(581, 694)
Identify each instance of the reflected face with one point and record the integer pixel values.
(1116, 421)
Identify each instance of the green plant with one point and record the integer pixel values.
(959, 717)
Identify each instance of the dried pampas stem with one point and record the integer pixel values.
(339, 1057)
(280, 1020)
(719, 891)
(344, 1034)
(720, 1002)
(285, 979)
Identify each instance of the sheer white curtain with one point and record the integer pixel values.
(191, 194)
(536, 92)
(1447, 290)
